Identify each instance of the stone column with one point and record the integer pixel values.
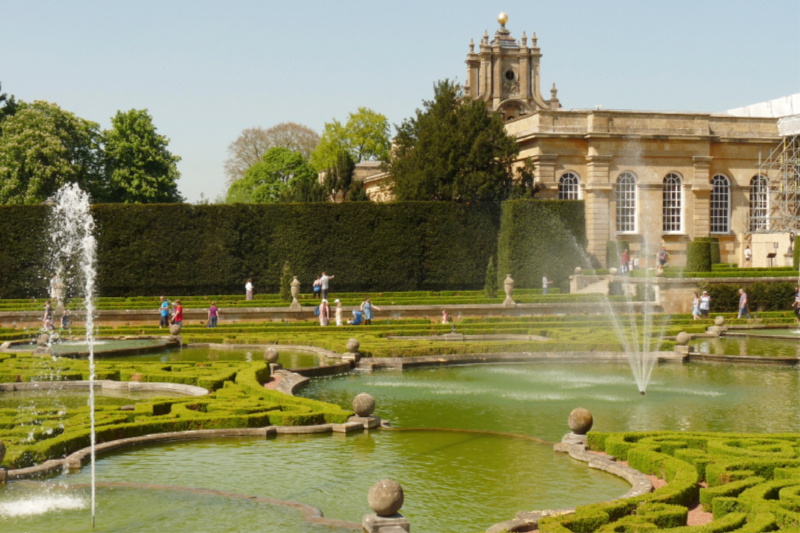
(524, 69)
(597, 196)
(701, 193)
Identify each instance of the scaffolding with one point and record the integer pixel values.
(775, 191)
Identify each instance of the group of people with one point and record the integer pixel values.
(175, 316)
(48, 319)
(628, 262)
(363, 315)
(701, 305)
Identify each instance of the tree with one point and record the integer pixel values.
(286, 283)
(365, 137)
(452, 150)
(9, 108)
(339, 177)
(139, 168)
(44, 147)
(249, 148)
(490, 288)
(273, 178)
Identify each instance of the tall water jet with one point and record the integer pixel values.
(73, 248)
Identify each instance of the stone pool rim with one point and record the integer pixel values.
(162, 344)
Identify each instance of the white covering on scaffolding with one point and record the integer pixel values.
(787, 109)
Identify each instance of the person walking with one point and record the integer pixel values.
(47, 319)
(177, 316)
(213, 315)
(324, 313)
(248, 289)
(748, 256)
(317, 287)
(696, 307)
(743, 304)
(625, 262)
(444, 316)
(545, 284)
(339, 310)
(796, 303)
(324, 283)
(164, 313)
(366, 308)
(705, 304)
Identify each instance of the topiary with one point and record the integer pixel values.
(286, 283)
(698, 256)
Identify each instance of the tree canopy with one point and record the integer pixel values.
(365, 136)
(453, 150)
(253, 143)
(138, 166)
(281, 176)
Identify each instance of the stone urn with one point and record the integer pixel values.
(683, 338)
(353, 345)
(386, 497)
(175, 329)
(580, 421)
(508, 286)
(364, 404)
(719, 321)
(295, 285)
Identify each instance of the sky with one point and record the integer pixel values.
(208, 70)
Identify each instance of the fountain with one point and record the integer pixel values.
(72, 252)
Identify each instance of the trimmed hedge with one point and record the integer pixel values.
(538, 237)
(698, 256)
(760, 296)
(713, 248)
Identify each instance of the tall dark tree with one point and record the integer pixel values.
(339, 177)
(8, 107)
(453, 150)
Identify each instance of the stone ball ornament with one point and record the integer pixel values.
(271, 355)
(386, 497)
(719, 321)
(353, 345)
(578, 270)
(613, 271)
(683, 338)
(175, 329)
(364, 404)
(580, 421)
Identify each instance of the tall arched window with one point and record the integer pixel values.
(672, 205)
(759, 203)
(626, 203)
(720, 204)
(569, 186)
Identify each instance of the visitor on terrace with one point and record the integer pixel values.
(213, 315)
(796, 303)
(324, 283)
(696, 307)
(339, 310)
(248, 289)
(358, 318)
(625, 262)
(47, 319)
(663, 257)
(324, 313)
(366, 308)
(743, 304)
(748, 256)
(164, 313)
(705, 304)
(545, 284)
(177, 316)
(317, 287)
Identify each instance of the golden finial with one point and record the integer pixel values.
(502, 18)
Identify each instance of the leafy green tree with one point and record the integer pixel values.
(452, 150)
(286, 283)
(44, 147)
(139, 167)
(253, 143)
(490, 288)
(365, 137)
(282, 175)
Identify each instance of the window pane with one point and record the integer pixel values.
(626, 203)
(720, 204)
(568, 186)
(759, 203)
(672, 204)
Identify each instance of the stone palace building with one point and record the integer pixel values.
(652, 178)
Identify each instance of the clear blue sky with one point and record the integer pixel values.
(207, 70)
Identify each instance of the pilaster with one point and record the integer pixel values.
(544, 172)
(597, 197)
(701, 194)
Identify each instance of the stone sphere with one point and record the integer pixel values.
(659, 272)
(2, 451)
(364, 404)
(580, 421)
(578, 270)
(175, 329)
(271, 355)
(683, 338)
(719, 321)
(386, 497)
(353, 345)
(612, 271)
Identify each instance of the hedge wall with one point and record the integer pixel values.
(541, 236)
(714, 248)
(760, 296)
(698, 256)
(188, 250)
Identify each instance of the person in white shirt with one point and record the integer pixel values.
(748, 255)
(324, 282)
(248, 289)
(545, 284)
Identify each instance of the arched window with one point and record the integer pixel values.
(626, 203)
(720, 204)
(569, 186)
(672, 206)
(759, 203)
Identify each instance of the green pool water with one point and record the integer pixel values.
(758, 346)
(288, 359)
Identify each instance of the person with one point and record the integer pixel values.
(545, 284)
(324, 283)
(164, 313)
(663, 257)
(705, 304)
(47, 319)
(358, 318)
(743, 304)
(748, 256)
(64, 321)
(796, 304)
(625, 262)
(444, 316)
(316, 288)
(636, 263)
(366, 308)
(696, 307)
(177, 316)
(248, 289)
(213, 315)
(324, 313)
(339, 310)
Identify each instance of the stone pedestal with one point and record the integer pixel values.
(717, 330)
(352, 358)
(369, 422)
(396, 523)
(683, 350)
(274, 367)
